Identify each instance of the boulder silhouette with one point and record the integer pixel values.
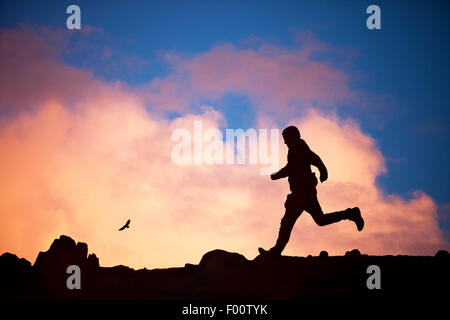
(221, 259)
(323, 254)
(353, 253)
(442, 254)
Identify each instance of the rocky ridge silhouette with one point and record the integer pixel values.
(223, 275)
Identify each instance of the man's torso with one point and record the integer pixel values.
(301, 179)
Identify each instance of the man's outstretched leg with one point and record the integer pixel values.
(353, 214)
(293, 211)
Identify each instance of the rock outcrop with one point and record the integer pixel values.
(17, 278)
(51, 267)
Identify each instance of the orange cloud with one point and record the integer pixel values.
(84, 170)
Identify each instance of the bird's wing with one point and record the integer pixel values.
(128, 222)
(122, 228)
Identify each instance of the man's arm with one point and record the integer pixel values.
(282, 173)
(317, 162)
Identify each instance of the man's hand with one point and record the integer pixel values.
(323, 176)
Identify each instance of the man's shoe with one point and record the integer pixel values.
(357, 218)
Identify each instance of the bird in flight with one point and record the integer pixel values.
(127, 225)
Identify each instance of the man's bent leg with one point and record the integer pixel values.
(321, 219)
(353, 214)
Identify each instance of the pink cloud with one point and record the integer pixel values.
(278, 80)
(32, 73)
(83, 166)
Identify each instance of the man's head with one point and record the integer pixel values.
(291, 136)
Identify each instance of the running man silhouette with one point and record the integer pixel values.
(303, 182)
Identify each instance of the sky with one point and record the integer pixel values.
(87, 116)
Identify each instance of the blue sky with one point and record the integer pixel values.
(404, 66)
